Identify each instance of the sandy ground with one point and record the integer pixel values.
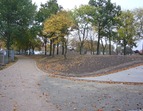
(23, 87)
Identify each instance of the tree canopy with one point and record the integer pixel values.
(104, 18)
(58, 26)
(100, 23)
(15, 16)
(127, 30)
(46, 10)
(83, 17)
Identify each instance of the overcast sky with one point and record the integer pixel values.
(70, 4)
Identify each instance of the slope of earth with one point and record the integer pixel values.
(87, 65)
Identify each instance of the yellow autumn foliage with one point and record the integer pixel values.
(58, 24)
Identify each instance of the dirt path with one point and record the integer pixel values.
(19, 90)
(25, 88)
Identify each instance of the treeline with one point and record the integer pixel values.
(96, 26)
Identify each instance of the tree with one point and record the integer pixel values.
(45, 11)
(92, 37)
(99, 18)
(112, 12)
(15, 15)
(83, 19)
(58, 29)
(33, 40)
(127, 30)
(138, 16)
(104, 44)
(104, 18)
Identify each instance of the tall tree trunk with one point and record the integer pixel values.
(45, 49)
(98, 42)
(80, 48)
(45, 44)
(8, 35)
(104, 47)
(53, 54)
(110, 50)
(125, 47)
(91, 45)
(57, 48)
(65, 53)
(51, 44)
(63, 48)
(8, 42)
(81, 39)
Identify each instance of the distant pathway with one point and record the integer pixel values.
(19, 90)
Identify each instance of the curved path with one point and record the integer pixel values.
(23, 87)
(19, 89)
(132, 76)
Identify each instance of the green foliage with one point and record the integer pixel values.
(126, 30)
(20, 24)
(138, 16)
(111, 14)
(46, 11)
(15, 16)
(104, 18)
(83, 17)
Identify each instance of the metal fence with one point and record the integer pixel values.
(4, 59)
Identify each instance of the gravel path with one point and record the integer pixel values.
(19, 90)
(25, 88)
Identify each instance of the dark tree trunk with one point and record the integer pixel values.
(53, 54)
(51, 44)
(45, 44)
(65, 53)
(63, 48)
(45, 49)
(103, 51)
(58, 49)
(125, 47)
(98, 43)
(8, 34)
(81, 48)
(8, 42)
(110, 50)
(92, 48)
